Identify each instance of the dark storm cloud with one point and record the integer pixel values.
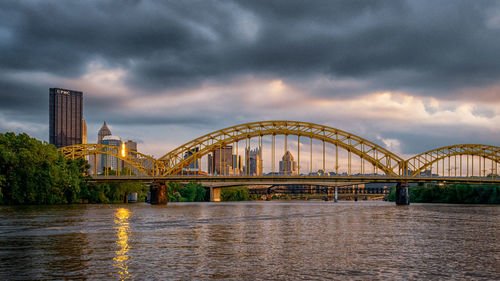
(393, 45)
(18, 94)
(171, 119)
(423, 45)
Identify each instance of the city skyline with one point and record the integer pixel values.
(408, 76)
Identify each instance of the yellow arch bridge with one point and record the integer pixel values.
(329, 157)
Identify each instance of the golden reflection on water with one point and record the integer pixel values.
(121, 258)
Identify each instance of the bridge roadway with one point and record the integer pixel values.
(226, 181)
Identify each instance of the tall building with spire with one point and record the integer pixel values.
(103, 132)
(287, 164)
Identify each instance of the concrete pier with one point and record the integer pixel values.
(402, 194)
(215, 194)
(158, 194)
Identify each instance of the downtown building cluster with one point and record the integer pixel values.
(67, 127)
(223, 161)
(107, 162)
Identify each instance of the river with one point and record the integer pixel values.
(274, 240)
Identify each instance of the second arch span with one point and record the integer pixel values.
(378, 156)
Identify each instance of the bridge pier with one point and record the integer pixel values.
(215, 194)
(336, 198)
(402, 194)
(158, 193)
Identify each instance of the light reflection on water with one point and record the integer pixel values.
(122, 232)
(251, 241)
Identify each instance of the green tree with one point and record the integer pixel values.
(172, 190)
(32, 172)
(193, 192)
(237, 193)
(453, 193)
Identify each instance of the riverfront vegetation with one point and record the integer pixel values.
(114, 192)
(34, 172)
(237, 193)
(454, 193)
(195, 192)
(191, 192)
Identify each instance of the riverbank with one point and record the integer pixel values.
(454, 193)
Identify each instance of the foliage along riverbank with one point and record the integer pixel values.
(191, 192)
(35, 172)
(32, 172)
(454, 193)
(114, 192)
(195, 192)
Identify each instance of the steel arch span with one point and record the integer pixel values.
(145, 164)
(423, 161)
(383, 159)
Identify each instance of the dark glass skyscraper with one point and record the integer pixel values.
(66, 117)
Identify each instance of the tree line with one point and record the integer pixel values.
(195, 192)
(453, 193)
(35, 172)
(32, 172)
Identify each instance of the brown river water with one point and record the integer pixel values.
(277, 240)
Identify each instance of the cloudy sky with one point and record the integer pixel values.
(408, 75)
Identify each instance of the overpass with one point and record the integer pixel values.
(351, 159)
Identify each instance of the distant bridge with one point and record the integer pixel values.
(464, 163)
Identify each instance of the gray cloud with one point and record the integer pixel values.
(435, 45)
(432, 48)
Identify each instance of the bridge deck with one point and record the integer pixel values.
(316, 180)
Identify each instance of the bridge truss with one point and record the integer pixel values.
(456, 161)
(450, 163)
(140, 163)
(381, 158)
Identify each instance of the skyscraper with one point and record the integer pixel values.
(222, 161)
(131, 149)
(287, 165)
(237, 165)
(84, 131)
(103, 132)
(253, 165)
(66, 125)
(108, 161)
(193, 166)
